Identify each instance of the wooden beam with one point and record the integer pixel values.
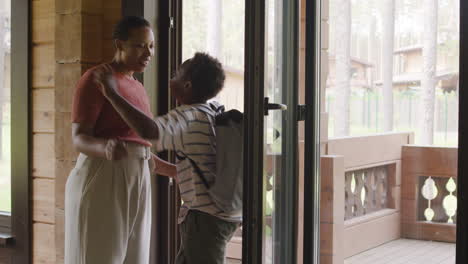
(44, 201)
(43, 110)
(378, 148)
(68, 75)
(430, 161)
(65, 7)
(80, 38)
(43, 66)
(43, 243)
(59, 236)
(44, 31)
(43, 9)
(43, 160)
(365, 234)
(84, 26)
(332, 209)
(63, 138)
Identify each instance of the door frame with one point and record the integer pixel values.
(311, 175)
(21, 184)
(286, 203)
(462, 212)
(252, 233)
(311, 248)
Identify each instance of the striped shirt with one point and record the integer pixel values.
(189, 131)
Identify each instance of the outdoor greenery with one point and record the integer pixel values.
(366, 44)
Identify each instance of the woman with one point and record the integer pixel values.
(108, 195)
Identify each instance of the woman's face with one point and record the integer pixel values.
(137, 51)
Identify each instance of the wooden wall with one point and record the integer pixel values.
(43, 102)
(69, 36)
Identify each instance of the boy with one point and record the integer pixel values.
(189, 131)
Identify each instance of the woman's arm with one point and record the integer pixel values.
(163, 167)
(86, 143)
(136, 119)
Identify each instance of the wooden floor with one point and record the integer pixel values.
(408, 252)
(4, 256)
(402, 251)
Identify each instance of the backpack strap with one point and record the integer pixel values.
(197, 169)
(212, 108)
(217, 107)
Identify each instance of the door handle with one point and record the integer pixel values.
(272, 106)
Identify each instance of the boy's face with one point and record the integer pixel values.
(180, 87)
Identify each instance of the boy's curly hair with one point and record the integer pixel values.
(206, 75)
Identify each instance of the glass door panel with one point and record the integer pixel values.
(389, 79)
(280, 132)
(217, 27)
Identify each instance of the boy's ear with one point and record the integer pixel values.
(188, 85)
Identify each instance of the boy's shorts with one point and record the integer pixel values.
(204, 238)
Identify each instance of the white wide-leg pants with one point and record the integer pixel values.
(108, 210)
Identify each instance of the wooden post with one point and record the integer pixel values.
(417, 162)
(332, 210)
(83, 34)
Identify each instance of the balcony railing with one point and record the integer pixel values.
(429, 192)
(379, 188)
(366, 191)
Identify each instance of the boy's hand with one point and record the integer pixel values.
(115, 149)
(105, 79)
(162, 167)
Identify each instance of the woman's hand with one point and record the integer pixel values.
(115, 149)
(104, 77)
(152, 165)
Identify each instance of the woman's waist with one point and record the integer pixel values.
(127, 136)
(117, 130)
(134, 150)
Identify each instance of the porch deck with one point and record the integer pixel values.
(407, 251)
(373, 206)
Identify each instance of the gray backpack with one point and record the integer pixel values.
(226, 191)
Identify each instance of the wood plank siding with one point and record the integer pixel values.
(60, 54)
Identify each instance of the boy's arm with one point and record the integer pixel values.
(163, 167)
(136, 119)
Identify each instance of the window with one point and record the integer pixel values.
(5, 114)
(220, 34)
(15, 217)
(408, 118)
